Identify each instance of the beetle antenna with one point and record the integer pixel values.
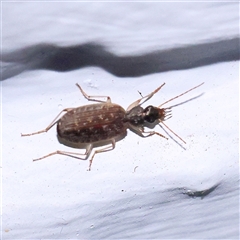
(170, 136)
(178, 104)
(172, 132)
(180, 95)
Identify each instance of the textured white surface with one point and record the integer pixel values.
(57, 197)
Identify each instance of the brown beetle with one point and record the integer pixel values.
(104, 123)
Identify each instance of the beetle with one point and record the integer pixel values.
(104, 123)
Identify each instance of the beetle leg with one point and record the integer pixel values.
(70, 154)
(144, 99)
(104, 149)
(140, 131)
(55, 120)
(92, 98)
(85, 155)
(153, 133)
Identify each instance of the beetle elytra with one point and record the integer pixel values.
(104, 123)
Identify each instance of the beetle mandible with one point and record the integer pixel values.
(104, 123)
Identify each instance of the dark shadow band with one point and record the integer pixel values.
(61, 59)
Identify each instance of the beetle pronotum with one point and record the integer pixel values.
(104, 123)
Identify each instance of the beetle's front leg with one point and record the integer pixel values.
(144, 99)
(140, 131)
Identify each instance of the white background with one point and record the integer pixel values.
(57, 197)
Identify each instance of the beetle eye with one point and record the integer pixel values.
(151, 114)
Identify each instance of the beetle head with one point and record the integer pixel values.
(152, 114)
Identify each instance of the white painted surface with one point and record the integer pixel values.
(57, 197)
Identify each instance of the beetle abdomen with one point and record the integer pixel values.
(92, 123)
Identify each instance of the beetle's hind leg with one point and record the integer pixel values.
(82, 156)
(93, 98)
(55, 120)
(79, 156)
(69, 154)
